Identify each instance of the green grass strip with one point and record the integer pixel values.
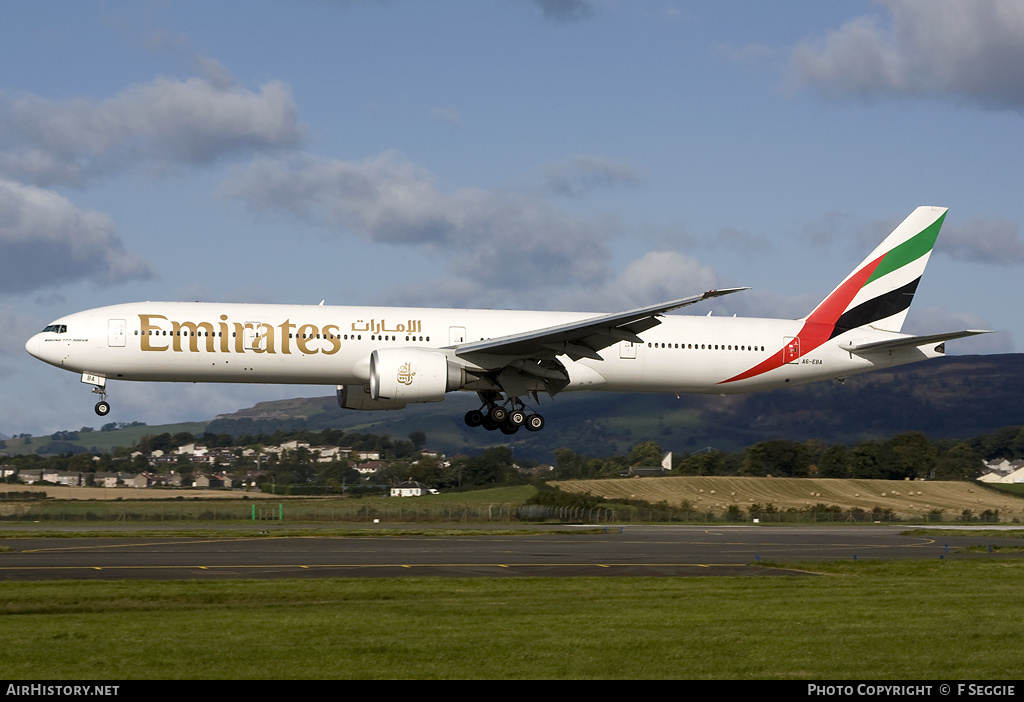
(937, 619)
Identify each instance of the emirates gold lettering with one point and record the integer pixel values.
(191, 331)
(226, 336)
(304, 337)
(148, 327)
(333, 335)
(264, 339)
(239, 337)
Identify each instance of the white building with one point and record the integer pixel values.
(412, 488)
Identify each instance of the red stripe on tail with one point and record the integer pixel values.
(819, 324)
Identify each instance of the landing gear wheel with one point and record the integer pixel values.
(508, 430)
(103, 408)
(498, 414)
(534, 422)
(474, 418)
(516, 418)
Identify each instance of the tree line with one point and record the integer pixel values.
(909, 455)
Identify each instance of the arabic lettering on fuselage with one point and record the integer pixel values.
(412, 326)
(160, 333)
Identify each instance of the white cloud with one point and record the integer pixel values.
(45, 242)
(17, 328)
(566, 10)
(448, 115)
(512, 241)
(983, 240)
(657, 276)
(580, 175)
(979, 240)
(162, 125)
(936, 319)
(924, 48)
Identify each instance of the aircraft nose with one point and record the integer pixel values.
(33, 344)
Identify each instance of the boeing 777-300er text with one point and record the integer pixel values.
(383, 358)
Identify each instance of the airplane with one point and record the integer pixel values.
(384, 358)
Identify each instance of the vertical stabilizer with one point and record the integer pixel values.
(879, 291)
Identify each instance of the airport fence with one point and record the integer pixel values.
(151, 512)
(411, 511)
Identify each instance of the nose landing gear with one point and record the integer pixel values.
(100, 388)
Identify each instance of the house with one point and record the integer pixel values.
(104, 479)
(651, 471)
(169, 479)
(163, 459)
(32, 475)
(1005, 472)
(328, 454)
(294, 445)
(220, 480)
(139, 480)
(370, 468)
(251, 478)
(412, 488)
(222, 457)
(540, 471)
(195, 451)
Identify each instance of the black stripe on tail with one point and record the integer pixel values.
(876, 308)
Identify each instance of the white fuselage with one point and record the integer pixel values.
(316, 344)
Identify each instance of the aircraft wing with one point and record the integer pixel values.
(902, 341)
(584, 338)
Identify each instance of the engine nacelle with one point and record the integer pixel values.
(357, 397)
(413, 375)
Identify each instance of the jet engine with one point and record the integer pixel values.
(357, 397)
(413, 375)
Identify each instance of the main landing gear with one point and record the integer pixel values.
(506, 419)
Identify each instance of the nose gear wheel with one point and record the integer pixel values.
(102, 407)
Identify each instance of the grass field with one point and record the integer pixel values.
(183, 507)
(908, 499)
(960, 619)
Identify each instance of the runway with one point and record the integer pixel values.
(631, 551)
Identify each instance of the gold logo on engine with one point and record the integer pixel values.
(405, 374)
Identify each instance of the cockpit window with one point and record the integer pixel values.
(57, 328)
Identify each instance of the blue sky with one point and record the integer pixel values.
(590, 155)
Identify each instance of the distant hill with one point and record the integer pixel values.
(951, 397)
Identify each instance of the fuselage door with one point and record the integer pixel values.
(115, 332)
(254, 336)
(456, 335)
(627, 349)
(791, 349)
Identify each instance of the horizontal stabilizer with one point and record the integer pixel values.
(904, 341)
